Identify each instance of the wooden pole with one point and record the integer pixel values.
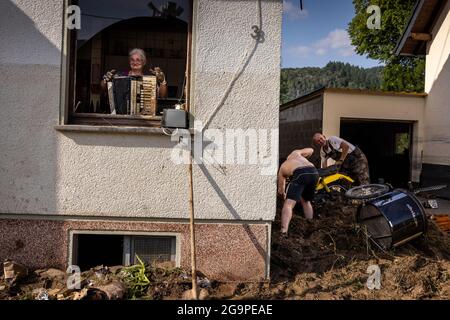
(192, 229)
(191, 184)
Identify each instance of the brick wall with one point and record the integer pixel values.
(298, 124)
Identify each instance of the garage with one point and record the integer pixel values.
(387, 126)
(387, 145)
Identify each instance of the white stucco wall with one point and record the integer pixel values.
(45, 171)
(437, 84)
(377, 107)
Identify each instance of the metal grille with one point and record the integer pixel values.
(377, 225)
(153, 249)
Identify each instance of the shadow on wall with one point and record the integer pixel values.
(29, 103)
(22, 42)
(253, 238)
(437, 134)
(126, 141)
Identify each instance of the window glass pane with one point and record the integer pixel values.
(153, 249)
(111, 28)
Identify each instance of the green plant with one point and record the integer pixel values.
(136, 279)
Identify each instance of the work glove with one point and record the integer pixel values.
(160, 76)
(109, 76)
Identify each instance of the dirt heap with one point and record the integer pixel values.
(327, 258)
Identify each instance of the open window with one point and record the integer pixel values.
(91, 249)
(110, 29)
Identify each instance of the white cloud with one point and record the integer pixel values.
(301, 51)
(293, 11)
(337, 43)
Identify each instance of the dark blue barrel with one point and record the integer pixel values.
(393, 219)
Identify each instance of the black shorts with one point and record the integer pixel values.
(303, 184)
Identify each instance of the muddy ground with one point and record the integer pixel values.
(327, 258)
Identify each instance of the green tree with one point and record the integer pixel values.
(400, 73)
(296, 82)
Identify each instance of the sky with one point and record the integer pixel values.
(318, 34)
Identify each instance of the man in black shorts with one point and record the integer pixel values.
(303, 180)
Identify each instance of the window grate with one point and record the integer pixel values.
(153, 249)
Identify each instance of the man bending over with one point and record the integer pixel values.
(303, 180)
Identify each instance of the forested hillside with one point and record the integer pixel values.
(300, 81)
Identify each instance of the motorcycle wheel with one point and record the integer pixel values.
(367, 192)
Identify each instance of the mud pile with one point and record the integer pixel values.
(327, 258)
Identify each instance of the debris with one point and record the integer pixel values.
(203, 295)
(51, 273)
(326, 258)
(114, 291)
(431, 204)
(61, 297)
(204, 282)
(14, 271)
(116, 269)
(101, 272)
(443, 222)
(53, 292)
(226, 290)
(42, 294)
(79, 295)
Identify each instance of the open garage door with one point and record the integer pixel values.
(387, 145)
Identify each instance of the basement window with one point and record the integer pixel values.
(91, 250)
(110, 30)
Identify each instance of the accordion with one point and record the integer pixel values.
(133, 95)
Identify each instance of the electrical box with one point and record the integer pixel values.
(175, 119)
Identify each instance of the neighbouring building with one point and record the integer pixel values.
(406, 136)
(388, 127)
(428, 34)
(83, 187)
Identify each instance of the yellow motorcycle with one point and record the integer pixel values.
(332, 185)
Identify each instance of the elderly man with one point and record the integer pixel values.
(350, 158)
(302, 186)
(138, 60)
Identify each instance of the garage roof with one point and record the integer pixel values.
(320, 92)
(418, 31)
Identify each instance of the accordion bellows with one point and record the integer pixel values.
(133, 95)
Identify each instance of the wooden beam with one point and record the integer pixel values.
(421, 36)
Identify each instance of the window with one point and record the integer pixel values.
(110, 29)
(90, 250)
(402, 143)
(150, 249)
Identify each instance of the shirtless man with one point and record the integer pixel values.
(302, 186)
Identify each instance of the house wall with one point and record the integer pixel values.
(298, 124)
(48, 174)
(218, 248)
(45, 171)
(437, 111)
(381, 107)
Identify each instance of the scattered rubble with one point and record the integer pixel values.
(327, 258)
(13, 271)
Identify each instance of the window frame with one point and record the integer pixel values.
(72, 257)
(68, 82)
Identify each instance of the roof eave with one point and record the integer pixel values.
(406, 34)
